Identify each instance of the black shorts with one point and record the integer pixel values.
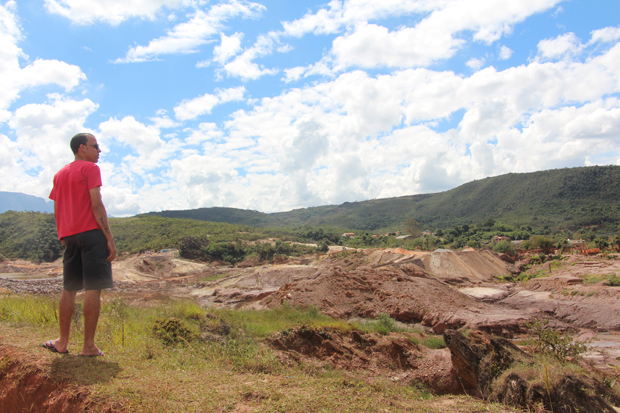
(85, 264)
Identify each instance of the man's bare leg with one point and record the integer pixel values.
(92, 305)
(65, 309)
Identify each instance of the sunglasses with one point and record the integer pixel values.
(96, 146)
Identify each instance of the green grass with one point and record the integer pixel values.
(214, 277)
(384, 324)
(526, 276)
(141, 373)
(593, 278)
(434, 342)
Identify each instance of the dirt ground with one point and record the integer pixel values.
(432, 291)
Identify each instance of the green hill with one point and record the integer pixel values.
(563, 198)
(571, 197)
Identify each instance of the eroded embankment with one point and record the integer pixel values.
(24, 387)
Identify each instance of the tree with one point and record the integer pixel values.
(601, 243)
(413, 227)
(545, 244)
(505, 247)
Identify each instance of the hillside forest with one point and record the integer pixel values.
(32, 236)
(544, 209)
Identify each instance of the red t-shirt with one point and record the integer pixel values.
(71, 194)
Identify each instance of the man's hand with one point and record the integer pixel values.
(111, 250)
(102, 220)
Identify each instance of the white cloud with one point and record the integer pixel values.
(243, 67)
(110, 11)
(505, 53)
(229, 47)
(14, 78)
(606, 35)
(363, 141)
(294, 73)
(191, 109)
(566, 45)
(434, 38)
(371, 46)
(141, 138)
(143, 168)
(475, 63)
(43, 132)
(187, 37)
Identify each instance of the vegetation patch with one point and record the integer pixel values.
(172, 331)
(550, 341)
(434, 342)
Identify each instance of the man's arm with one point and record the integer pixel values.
(62, 240)
(102, 220)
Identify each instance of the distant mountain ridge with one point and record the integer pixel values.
(570, 197)
(16, 201)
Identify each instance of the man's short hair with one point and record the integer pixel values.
(77, 140)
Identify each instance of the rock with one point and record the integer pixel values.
(506, 258)
(439, 328)
(480, 359)
(485, 294)
(572, 393)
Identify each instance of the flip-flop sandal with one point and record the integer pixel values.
(92, 355)
(49, 346)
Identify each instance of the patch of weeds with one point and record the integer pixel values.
(505, 278)
(422, 390)
(526, 276)
(187, 310)
(555, 343)
(172, 331)
(385, 323)
(544, 371)
(248, 356)
(261, 324)
(29, 310)
(415, 340)
(591, 294)
(434, 342)
(613, 280)
(592, 278)
(214, 277)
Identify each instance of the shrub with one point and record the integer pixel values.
(385, 323)
(172, 331)
(553, 342)
(613, 280)
(505, 247)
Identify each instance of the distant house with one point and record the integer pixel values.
(517, 242)
(498, 238)
(375, 236)
(426, 234)
(575, 242)
(404, 236)
(348, 235)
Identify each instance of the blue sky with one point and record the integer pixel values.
(276, 105)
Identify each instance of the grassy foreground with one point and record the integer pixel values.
(141, 373)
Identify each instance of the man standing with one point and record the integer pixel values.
(89, 248)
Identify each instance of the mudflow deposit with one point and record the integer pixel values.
(440, 292)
